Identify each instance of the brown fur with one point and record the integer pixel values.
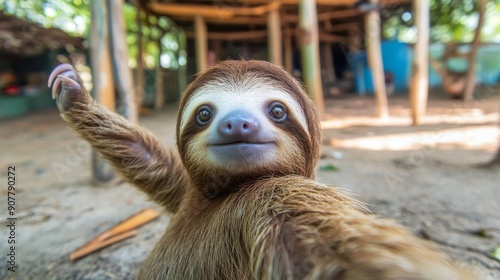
(273, 223)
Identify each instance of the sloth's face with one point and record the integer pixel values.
(243, 127)
(244, 120)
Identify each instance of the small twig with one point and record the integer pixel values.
(135, 221)
(95, 246)
(118, 233)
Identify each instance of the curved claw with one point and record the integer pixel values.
(58, 70)
(57, 82)
(66, 82)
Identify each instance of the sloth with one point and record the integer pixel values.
(241, 187)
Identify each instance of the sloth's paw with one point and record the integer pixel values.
(67, 87)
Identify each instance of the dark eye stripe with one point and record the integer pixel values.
(192, 128)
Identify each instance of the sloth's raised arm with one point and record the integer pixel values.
(332, 236)
(133, 151)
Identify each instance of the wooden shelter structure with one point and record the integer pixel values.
(280, 25)
(24, 38)
(28, 51)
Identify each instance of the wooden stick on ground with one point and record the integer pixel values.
(117, 233)
(95, 246)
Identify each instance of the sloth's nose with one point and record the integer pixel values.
(238, 124)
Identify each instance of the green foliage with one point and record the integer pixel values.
(70, 16)
(73, 17)
(496, 254)
(450, 21)
(328, 167)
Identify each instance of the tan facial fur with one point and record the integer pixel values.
(250, 87)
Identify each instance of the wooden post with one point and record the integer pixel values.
(327, 58)
(102, 78)
(419, 87)
(217, 49)
(274, 37)
(372, 41)
(160, 94)
(183, 76)
(102, 74)
(288, 51)
(140, 60)
(201, 42)
(122, 74)
(311, 71)
(354, 40)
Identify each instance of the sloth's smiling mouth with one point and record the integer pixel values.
(242, 152)
(242, 143)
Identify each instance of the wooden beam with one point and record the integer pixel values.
(291, 18)
(243, 35)
(274, 45)
(311, 70)
(344, 26)
(338, 14)
(210, 11)
(330, 38)
(318, 2)
(241, 20)
(372, 41)
(201, 43)
(288, 50)
(419, 85)
(330, 3)
(323, 36)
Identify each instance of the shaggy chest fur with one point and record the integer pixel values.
(228, 239)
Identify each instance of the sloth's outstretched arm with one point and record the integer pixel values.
(133, 151)
(316, 232)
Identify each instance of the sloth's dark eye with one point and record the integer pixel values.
(278, 112)
(203, 115)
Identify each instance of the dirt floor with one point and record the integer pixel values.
(425, 177)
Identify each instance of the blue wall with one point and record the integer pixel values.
(397, 58)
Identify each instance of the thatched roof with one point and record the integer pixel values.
(24, 38)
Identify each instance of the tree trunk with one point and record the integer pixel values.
(470, 83)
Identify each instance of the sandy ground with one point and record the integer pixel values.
(424, 177)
